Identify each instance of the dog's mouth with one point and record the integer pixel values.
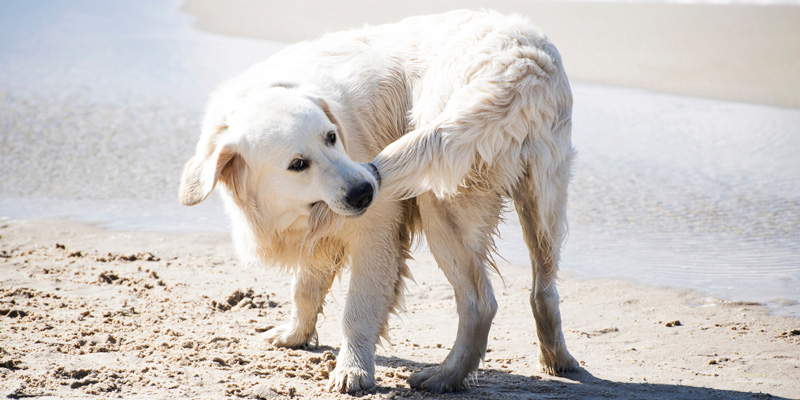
(321, 207)
(357, 213)
(375, 173)
(351, 214)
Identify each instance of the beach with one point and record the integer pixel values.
(88, 312)
(679, 278)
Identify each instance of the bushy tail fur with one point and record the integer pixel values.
(508, 111)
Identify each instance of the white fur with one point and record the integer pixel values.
(457, 112)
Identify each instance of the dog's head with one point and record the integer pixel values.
(281, 149)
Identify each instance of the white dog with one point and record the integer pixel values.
(454, 114)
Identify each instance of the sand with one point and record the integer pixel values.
(748, 53)
(88, 312)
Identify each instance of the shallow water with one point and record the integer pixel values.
(100, 105)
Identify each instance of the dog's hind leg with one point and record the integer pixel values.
(309, 288)
(458, 230)
(541, 201)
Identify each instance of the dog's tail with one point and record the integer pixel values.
(510, 113)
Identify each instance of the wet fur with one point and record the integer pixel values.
(458, 113)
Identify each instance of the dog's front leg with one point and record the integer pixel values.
(309, 287)
(376, 281)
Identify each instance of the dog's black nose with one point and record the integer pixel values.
(359, 196)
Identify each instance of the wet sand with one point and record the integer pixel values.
(87, 312)
(747, 53)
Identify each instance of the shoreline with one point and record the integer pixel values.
(93, 304)
(702, 50)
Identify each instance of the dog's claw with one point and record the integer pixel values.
(287, 335)
(350, 380)
(566, 363)
(435, 379)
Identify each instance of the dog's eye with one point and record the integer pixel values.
(298, 164)
(330, 138)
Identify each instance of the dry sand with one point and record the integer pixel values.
(747, 53)
(87, 312)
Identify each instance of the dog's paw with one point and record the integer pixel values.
(350, 380)
(287, 335)
(437, 379)
(553, 365)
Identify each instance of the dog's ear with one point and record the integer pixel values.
(328, 113)
(211, 163)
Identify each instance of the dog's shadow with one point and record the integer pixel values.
(496, 384)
